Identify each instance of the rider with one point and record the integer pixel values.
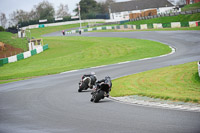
(63, 32)
(93, 78)
(106, 80)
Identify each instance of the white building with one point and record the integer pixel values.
(121, 10)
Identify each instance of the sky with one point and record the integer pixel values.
(8, 6)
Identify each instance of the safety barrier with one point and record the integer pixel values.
(142, 26)
(23, 55)
(198, 67)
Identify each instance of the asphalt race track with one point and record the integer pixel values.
(52, 104)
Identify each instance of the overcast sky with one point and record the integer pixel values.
(8, 6)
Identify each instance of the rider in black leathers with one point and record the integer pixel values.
(93, 79)
(106, 80)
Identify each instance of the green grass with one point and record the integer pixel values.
(168, 19)
(41, 31)
(69, 53)
(180, 83)
(191, 7)
(12, 39)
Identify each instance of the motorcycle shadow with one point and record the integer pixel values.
(107, 100)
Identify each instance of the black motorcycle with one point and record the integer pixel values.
(102, 90)
(87, 81)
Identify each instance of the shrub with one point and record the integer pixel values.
(2, 29)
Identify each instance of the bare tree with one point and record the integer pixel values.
(62, 11)
(3, 20)
(19, 16)
(45, 10)
(180, 2)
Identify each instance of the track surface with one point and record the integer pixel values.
(51, 104)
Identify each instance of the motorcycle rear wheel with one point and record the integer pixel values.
(98, 96)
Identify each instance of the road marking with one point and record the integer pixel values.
(69, 71)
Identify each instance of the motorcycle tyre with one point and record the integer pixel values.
(98, 96)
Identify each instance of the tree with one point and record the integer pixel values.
(104, 6)
(44, 10)
(62, 11)
(180, 2)
(3, 20)
(87, 6)
(18, 16)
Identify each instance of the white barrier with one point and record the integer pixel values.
(27, 54)
(134, 27)
(99, 28)
(175, 25)
(12, 59)
(157, 26)
(89, 29)
(199, 68)
(192, 24)
(143, 26)
(39, 49)
(73, 31)
(121, 26)
(107, 27)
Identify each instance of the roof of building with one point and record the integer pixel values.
(139, 5)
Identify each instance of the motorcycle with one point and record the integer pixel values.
(100, 92)
(87, 81)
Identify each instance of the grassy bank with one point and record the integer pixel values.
(168, 19)
(191, 7)
(180, 83)
(69, 53)
(12, 39)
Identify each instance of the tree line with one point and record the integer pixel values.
(89, 9)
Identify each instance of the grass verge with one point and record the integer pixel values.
(69, 53)
(180, 83)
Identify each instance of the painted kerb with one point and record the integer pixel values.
(24, 55)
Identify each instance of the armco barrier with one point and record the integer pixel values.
(199, 68)
(23, 55)
(166, 25)
(150, 26)
(184, 24)
(20, 56)
(5, 60)
(33, 52)
(1, 62)
(138, 27)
